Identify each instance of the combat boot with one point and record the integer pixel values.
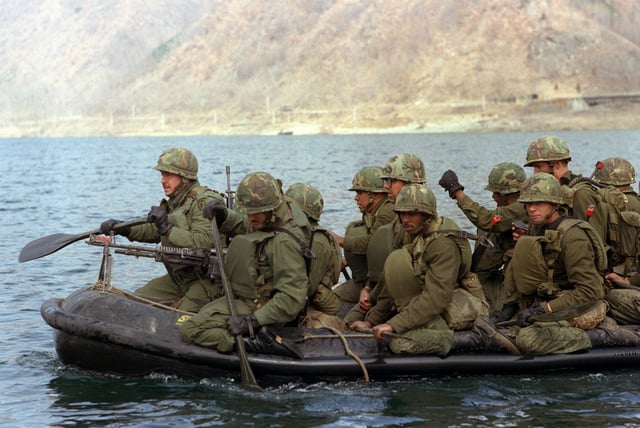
(267, 342)
(609, 333)
(483, 336)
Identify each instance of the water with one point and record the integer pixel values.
(71, 185)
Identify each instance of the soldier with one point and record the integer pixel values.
(619, 173)
(266, 263)
(551, 155)
(400, 170)
(325, 267)
(554, 273)
(377, 210)
(422, 296)
(505, 180)
(177, 222)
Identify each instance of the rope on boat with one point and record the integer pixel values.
(349, 352)
(99, 286)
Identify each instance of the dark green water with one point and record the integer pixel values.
(71, 185)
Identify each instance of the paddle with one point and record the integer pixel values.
(50, 244)
(248, 378)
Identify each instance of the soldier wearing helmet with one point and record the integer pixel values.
(402, 169)
(422, 296)
(619, 173)
(550, 154)
(177, 222)
(266, 263)
(377, 210)
(556, 267)
(325, 268)
(504, 181)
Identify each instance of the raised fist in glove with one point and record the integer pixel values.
(158, 215)
(242, 325)
(215, 208)
(107, 227)
(449, 182)
(527, 316)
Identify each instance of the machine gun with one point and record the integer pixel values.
(204, 258)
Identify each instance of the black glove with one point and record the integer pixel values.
(242, 325)
(526, 316)
(449, 182)
(215, 209)
(107, 227)
(158, 215)
(506, 313)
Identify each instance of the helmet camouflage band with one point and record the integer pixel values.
(616, 172)
(542, 187)
(416, 197)
(179, 161)
(259, 192)
(308, 198)
(368, 179)
(506, 178)
(406, 167)
(547, 149)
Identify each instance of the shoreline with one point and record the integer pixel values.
(617, 115)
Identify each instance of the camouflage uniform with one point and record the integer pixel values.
(555, 268)
(585, 203)
(358, 233)
(421, 280)
(407, 168)
(488, 262)
(266, 268)
(190, 230)
(325, 267)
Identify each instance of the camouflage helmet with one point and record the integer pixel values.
(547, 149)
(179, 161)
(368, 179)
(416, 197)
(506, 178)
(308, 198)
(542, 187)
(259, 192)
(406, 167)
(615, 171)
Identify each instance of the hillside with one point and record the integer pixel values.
(210, 66)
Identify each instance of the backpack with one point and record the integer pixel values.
(622, 229)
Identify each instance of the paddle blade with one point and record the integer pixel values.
(49, 244)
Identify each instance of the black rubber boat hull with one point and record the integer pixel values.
(107, 333)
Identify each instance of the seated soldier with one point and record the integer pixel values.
(553, 283)
(265, 264)
(423, 298)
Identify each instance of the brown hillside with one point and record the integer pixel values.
(207, 66)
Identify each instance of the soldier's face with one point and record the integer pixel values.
(541, 167)
(362, 199)
(170, 182)
(541, 212)
(258, 220)
(412, 221)
(393, 187)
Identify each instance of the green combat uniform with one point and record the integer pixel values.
(620, 173)
(421, 298)
(267, 268)
(407, 168)
(189, 286)
(557, 269)
(327, 263)
(583, 200)
(488, 263)
(358, 233)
